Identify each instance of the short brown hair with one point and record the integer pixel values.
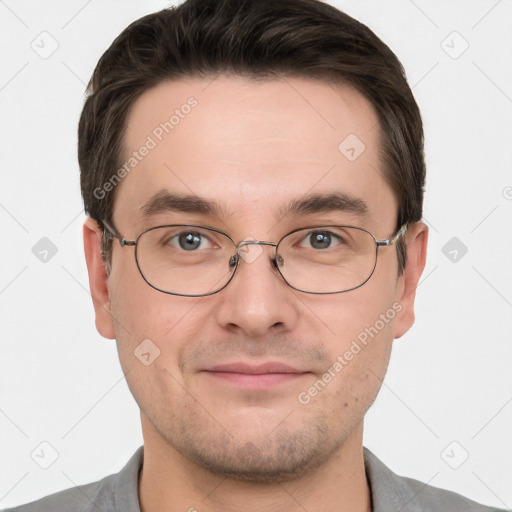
(259, 39)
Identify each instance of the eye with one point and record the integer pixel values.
(189, 241)
(320, 240)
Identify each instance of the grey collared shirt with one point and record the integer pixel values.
(390, 493)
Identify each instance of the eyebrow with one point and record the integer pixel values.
(330, 202)
(165, 201)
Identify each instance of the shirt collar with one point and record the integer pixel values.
(388, 490)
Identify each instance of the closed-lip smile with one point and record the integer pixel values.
(260, 376)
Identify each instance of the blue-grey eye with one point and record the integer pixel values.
(320, 239)
(189, 241)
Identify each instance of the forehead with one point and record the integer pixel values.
(252, 146)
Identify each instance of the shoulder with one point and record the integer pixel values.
(114, 492)
(426, 498)
(76, 499)
(393, 492)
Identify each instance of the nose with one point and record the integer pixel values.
(257, 302)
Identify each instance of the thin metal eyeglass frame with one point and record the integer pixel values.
(236, 262)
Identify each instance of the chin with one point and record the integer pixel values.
(258, 455)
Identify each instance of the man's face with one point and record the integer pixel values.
(253, 148)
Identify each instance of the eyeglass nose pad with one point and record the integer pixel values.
(277, 261)
(233, 261)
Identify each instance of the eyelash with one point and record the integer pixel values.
(204, 237)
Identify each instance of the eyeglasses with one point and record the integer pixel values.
(195, 261)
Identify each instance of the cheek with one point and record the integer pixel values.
(347, 389)
(362, 314)
(359, 336)
(139, 310)
(147, 322)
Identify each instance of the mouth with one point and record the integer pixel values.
(263, 376)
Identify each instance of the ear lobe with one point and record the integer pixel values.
(416, 245)
(98, 279)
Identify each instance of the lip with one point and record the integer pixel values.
(259, 369)
(262, 376)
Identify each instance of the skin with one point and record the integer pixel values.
(253, 147)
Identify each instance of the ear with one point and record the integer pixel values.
(416, 246)
(98, 279)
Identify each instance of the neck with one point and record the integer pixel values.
(170, 482)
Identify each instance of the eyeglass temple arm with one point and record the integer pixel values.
(390, 241)
(115, 234)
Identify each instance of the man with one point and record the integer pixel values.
(253, 174)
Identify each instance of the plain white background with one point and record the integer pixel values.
(448, 393)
